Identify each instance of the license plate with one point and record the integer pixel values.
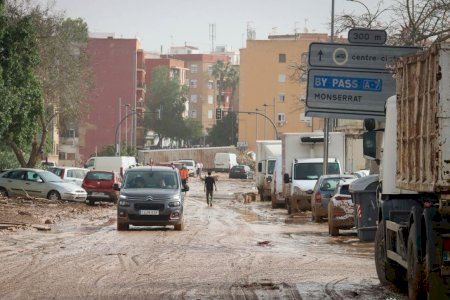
(97, 194)
(149, 212)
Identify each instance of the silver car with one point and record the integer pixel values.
(39, 183)
(150, 196)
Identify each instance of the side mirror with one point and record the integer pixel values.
(260, 167)
(116, 187)
(370, 145)
(269, 179)
(286, 178)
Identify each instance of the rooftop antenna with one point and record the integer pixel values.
(212, 35)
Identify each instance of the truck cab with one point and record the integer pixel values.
(305, 173)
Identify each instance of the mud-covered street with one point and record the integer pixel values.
(232, 250)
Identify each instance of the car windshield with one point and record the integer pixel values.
(237, 168)
(187, 163)
(50, 177)
(151, 179)
(99, 176)
(270, 167)
(329, 185)
(312, 171)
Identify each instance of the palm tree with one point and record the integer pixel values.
(226, 77)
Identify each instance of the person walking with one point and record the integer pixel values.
(210, 183)
(184, 174)
(197, 169)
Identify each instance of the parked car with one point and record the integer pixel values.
(100, 186)
(39, 183)
(322, 192)
(189, 164)
(241, 171)
(341, 209)
(70, 174)
(150, 196)
(361, 173)
(117, 164)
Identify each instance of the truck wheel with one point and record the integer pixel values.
(387, 270)
(122, 226)
(415, 272)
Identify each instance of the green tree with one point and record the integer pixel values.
(62, 72)
(168, 96)
(20, 89)
(110, 150)
(193, 131)
(224, 132)
(227, 77)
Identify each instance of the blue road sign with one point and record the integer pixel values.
(347, 83)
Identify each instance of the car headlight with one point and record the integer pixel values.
(174, 204)
(124, 203)
(123, 197)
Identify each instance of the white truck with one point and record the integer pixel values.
(267, 152)
(276, 184)
(302, 165)
(412, 242)
(118, 164)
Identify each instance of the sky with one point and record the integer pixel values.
(173, 22)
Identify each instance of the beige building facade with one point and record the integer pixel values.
(271, 83)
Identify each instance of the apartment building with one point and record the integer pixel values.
(272, 83)
(118, 73)
(202, 86)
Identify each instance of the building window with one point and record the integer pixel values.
(305, 119)
(304, 58)
(193, 113)
(62, 155)
(210, 69)
(193, 83)
(194, 68)
(70, 156)
(210, 114)
(281, 119)
(194, 98)
(210, 99)
(281, 97)
(210, 85)
(281, 58)
(282, 78)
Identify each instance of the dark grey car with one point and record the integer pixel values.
(323, 191)
(150, 196)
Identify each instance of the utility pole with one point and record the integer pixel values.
(120, 128)
(256, 118)
(326, 128)
(126, 125)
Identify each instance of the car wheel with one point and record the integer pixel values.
(53, 195)
(179, 226)
(3, 192)
(91, 202)
(122, 226)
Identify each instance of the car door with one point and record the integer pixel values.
(14, 182)
(34, 185)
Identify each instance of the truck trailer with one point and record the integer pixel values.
(267, 152)
(412, 242)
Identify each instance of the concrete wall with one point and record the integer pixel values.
(204, 155)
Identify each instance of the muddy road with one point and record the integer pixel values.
(232, 250)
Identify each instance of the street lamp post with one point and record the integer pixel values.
(126, 125)
(265, 112)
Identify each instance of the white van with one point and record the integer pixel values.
(225, 161)
(117, 164)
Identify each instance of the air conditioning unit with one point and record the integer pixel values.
(281, 123)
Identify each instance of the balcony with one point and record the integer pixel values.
(141, 86)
